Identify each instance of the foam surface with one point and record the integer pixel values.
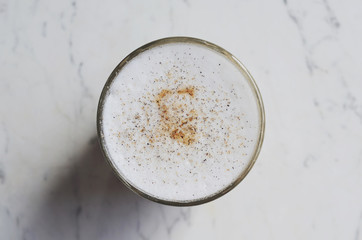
(180, 122)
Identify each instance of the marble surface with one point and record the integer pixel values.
(305, 56)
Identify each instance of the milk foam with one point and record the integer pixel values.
(180, 122)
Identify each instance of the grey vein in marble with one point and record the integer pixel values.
(44, 29)
(351, 103)
(298, 14)
(309, 160)
(358, 235)
(332, 19)
(4, 144)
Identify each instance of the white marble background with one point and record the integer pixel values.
(305, 56)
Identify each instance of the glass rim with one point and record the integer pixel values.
(252, 85)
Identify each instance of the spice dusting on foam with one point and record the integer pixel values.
(176, 119)
(180, 122)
